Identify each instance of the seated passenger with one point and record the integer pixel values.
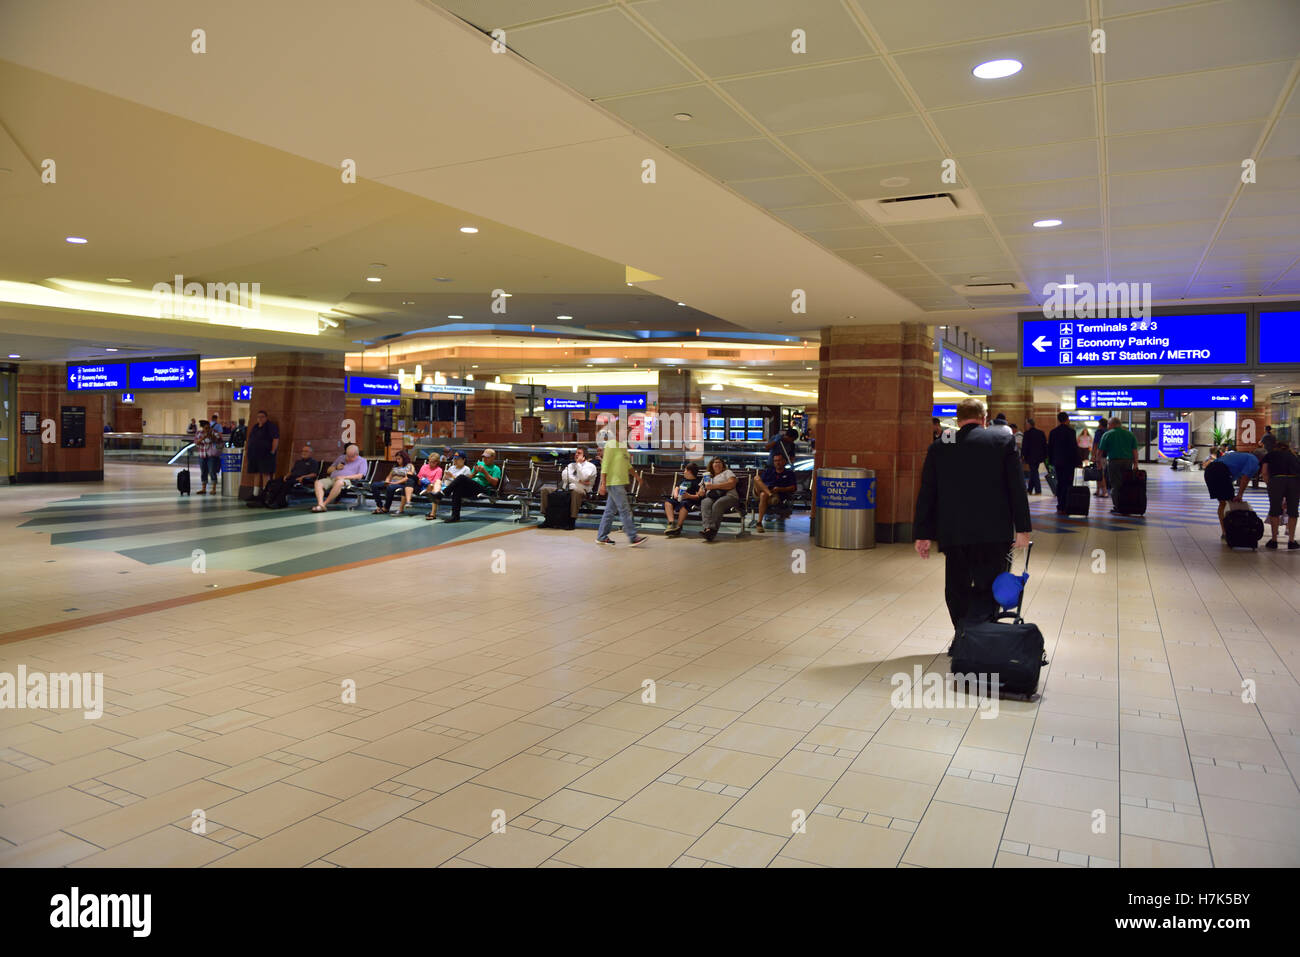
(578, 478)
(484, 477)
(775, 486)
(400, 479)
(685, 497)
(347, 470)
(719, 497)
(305, 468)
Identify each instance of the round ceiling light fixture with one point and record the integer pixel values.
(997, 69)
(894, 182)
(683, 117)
(469, 229)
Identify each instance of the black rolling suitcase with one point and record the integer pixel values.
(1078, 501)
(1003, 655)
(1131, 496)
(1052, 480)
(557, 511)
(183, 482)
(1243, 528)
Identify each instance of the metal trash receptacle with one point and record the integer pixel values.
(845, 499)
(232, 466)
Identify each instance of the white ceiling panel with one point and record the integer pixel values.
(1033, 164)
(1152, 214)
(1054, 60)
(607, 56)
(1200, 37)
(792, 191)
(867, 183)
(970, 227)
(952, 248)
(1247, 227)
(820, 96)
(748, 159)
(1170, 186)
(899, 140)
(1144, 236)
(982, 264)
(1256, 202)
(901, 270)
(923, 23)
(849, 238)
(1284, 141)
(867, 254)
(491, 14)
(1181, 148)
(1022, 225)
(728, 37)
(1052, 197)
(1015, 124)
(838, 216)
(1080, 241)
(1195, 99)
(712, 118)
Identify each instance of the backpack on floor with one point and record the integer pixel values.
(276, 494)
(183, 483)
(557, 511)
(1243, 527)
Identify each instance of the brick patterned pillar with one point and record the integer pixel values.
(679, 417)
(489, 413)
(41, 389)
(302, 392)
(875, 393)
(1012, 395)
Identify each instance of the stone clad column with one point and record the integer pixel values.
(490, 417)
(1012, 395)
(875, 394)
(679, 423)
(302, 392)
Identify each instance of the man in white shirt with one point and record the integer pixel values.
(577, 478)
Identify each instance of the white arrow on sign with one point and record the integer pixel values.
(1041, 343)
(189, 373)
(1083, 399)
(1244, 399)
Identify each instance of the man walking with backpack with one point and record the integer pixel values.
(973, 503)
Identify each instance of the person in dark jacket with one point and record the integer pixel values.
(1033, 449)
(972, 502)
(1063, 453)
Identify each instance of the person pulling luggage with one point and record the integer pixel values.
(972, 503)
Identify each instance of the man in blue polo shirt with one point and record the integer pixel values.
(1230, 467)
(776, 484)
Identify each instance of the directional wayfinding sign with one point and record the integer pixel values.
(1279, 338)
(172, 374)
(1210, 397)
(1173, 438)
(99, 376)
(1159, 342)
(373, 385)
(1124, 398)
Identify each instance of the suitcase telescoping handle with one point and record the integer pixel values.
(1015, 615)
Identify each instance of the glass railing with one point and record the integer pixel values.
(148, 448)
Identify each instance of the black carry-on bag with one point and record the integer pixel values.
(1004, 654)
(558, 504)
(183, 481)
(1242, 527)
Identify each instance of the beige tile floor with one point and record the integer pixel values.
(499, 718)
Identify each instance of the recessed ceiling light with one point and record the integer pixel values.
(997, 69)
(77, 240)
(564, 317)
(455, 317)
(893, 182)
(473, 367)
(469, 229)
(681, 304)
(117, 279)
(107, 349)
(877, 255)
(1047, 223)
(443, 279)
(14, 355)
(408, 302)
(682, 117)
(373, 279)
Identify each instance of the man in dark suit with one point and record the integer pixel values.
(1063, 453)
(973, 503)
(1033, 449)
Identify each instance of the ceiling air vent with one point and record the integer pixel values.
(922, 208)
(993, 289)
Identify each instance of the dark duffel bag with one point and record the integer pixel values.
(183, 482)
(1243, 528)
(1004, 657)
(276, 494)
(557, 510)
(1091, 473)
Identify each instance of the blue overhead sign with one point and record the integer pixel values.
(1279, 338)
(1173, 438)
(244, 393)
(970, 373)
(1208, 398)
(98, 376)
(1142, 398)
(1161, 341)
(551, 402)
(173, 375)
(949, 366)
(373, 385)
(944, 411)
(372, 401)
(601, 402)
(986, 379)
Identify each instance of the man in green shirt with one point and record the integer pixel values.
(615, 479)
(484, 477)
(1119, 448)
